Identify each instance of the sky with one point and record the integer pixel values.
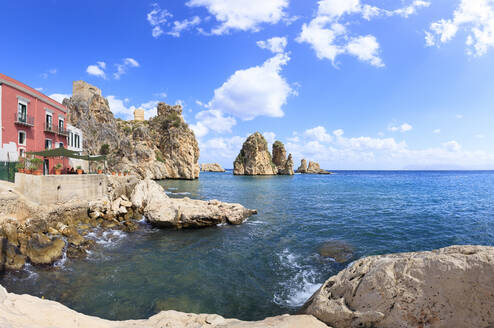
(352, 84)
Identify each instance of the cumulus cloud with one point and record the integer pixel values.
(124, 66)
(275, 45)
(328, 34)
(405, 127)
(476, 17)
(97, 70)
(319, 134)
(221, 150)
(120, 108)
(256, 91)
(212, 120)
(242, 15)
(59, 96)
(157, 18)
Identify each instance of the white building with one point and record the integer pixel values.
(74, 142)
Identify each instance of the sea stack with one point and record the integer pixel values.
(214, 167)
(312, 168)
(283, 165)
(303, 167)
(254, 158)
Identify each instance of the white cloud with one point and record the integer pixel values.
(59, 96)
(212, 120)
(330, 38)
(157, 18)
(452, 146)
(256, 91)
(437, 131)
(121, 110)
(122, 68)
(221, 150)
(405, 127)
(275, 45)
(319, 134)
(476, 17)
(179, 26)
(242, 15)
(338, 132)
(97, 70)
(39, 89)
(270, 138)
(51, 71)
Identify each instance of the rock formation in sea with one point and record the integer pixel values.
(163, 147)
(449, 287)
(25, 311)
(312, 168)
(255, 159)
(214, 167)
(41, 233)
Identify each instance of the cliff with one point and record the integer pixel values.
(163, 147)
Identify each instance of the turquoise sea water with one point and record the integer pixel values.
(270, 264)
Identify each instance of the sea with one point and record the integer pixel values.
(269, 265)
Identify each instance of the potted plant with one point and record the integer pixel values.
(113, 173)
(58, 169)
(126, 173)
(119, 174)
(35, 166)
(100, 170)
(20, 166)
(79, 169)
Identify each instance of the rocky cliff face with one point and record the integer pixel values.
(254, 158)
(449, 287)
(164, 147)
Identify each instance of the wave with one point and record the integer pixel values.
(302, 284)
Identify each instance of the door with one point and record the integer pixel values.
(46, 167)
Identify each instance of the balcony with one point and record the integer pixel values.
(49, 128)
(24, 120)
(62, 131)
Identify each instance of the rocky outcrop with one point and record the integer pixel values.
(284, 165)
(25, 311)
(449, 287)
(215, 167)
(163, 147)
(254, 158)
(167, 212)
(312, 168)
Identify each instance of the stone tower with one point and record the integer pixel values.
(139, 114)
(84, 89)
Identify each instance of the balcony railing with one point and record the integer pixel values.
(49, 128)
(24, 120)
(62, 131)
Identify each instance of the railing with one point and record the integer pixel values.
(63, 132)
(49, 128)
(26, 120)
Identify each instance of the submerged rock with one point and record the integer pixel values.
(215, 167)
(449, 287)
(254, 158)
(167, 212)
(338, 250)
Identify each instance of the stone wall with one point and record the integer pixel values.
(51, 189)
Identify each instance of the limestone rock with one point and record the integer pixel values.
(167, 212)
(43, 250)
(338, 250)
(449, 287)
(303, 167)
(254, 158)
(25, 311)
(314, 168)
(283, 165)
(215, 167)
(287, 168)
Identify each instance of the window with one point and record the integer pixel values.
(22, 138)
(77, 143)
(22, 112)
(47, 144)
(22, 152)
(60, 124)
(60, 145)
(49, 121)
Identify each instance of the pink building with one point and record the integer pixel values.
(30, 121)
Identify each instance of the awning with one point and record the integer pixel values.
(63, 152)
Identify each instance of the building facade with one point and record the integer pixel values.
(30, 121)
(74, 142)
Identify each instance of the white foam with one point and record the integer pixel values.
(301, 286)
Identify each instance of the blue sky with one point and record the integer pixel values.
(353, 84)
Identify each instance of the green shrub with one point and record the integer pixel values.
(104, 150)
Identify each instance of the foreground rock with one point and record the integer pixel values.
(25, 311)
(163, 147)
(167, 212)
(312, 168)
(255, 159)
(449, 287)
(215, 167)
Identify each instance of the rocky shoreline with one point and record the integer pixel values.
(449, 287)
(42, 234)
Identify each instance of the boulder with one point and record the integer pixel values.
(167, 212)
(449, 287)
(215, 167)
(254, 158)
(338, 250)
(43, 250)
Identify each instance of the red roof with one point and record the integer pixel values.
(25, 86)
